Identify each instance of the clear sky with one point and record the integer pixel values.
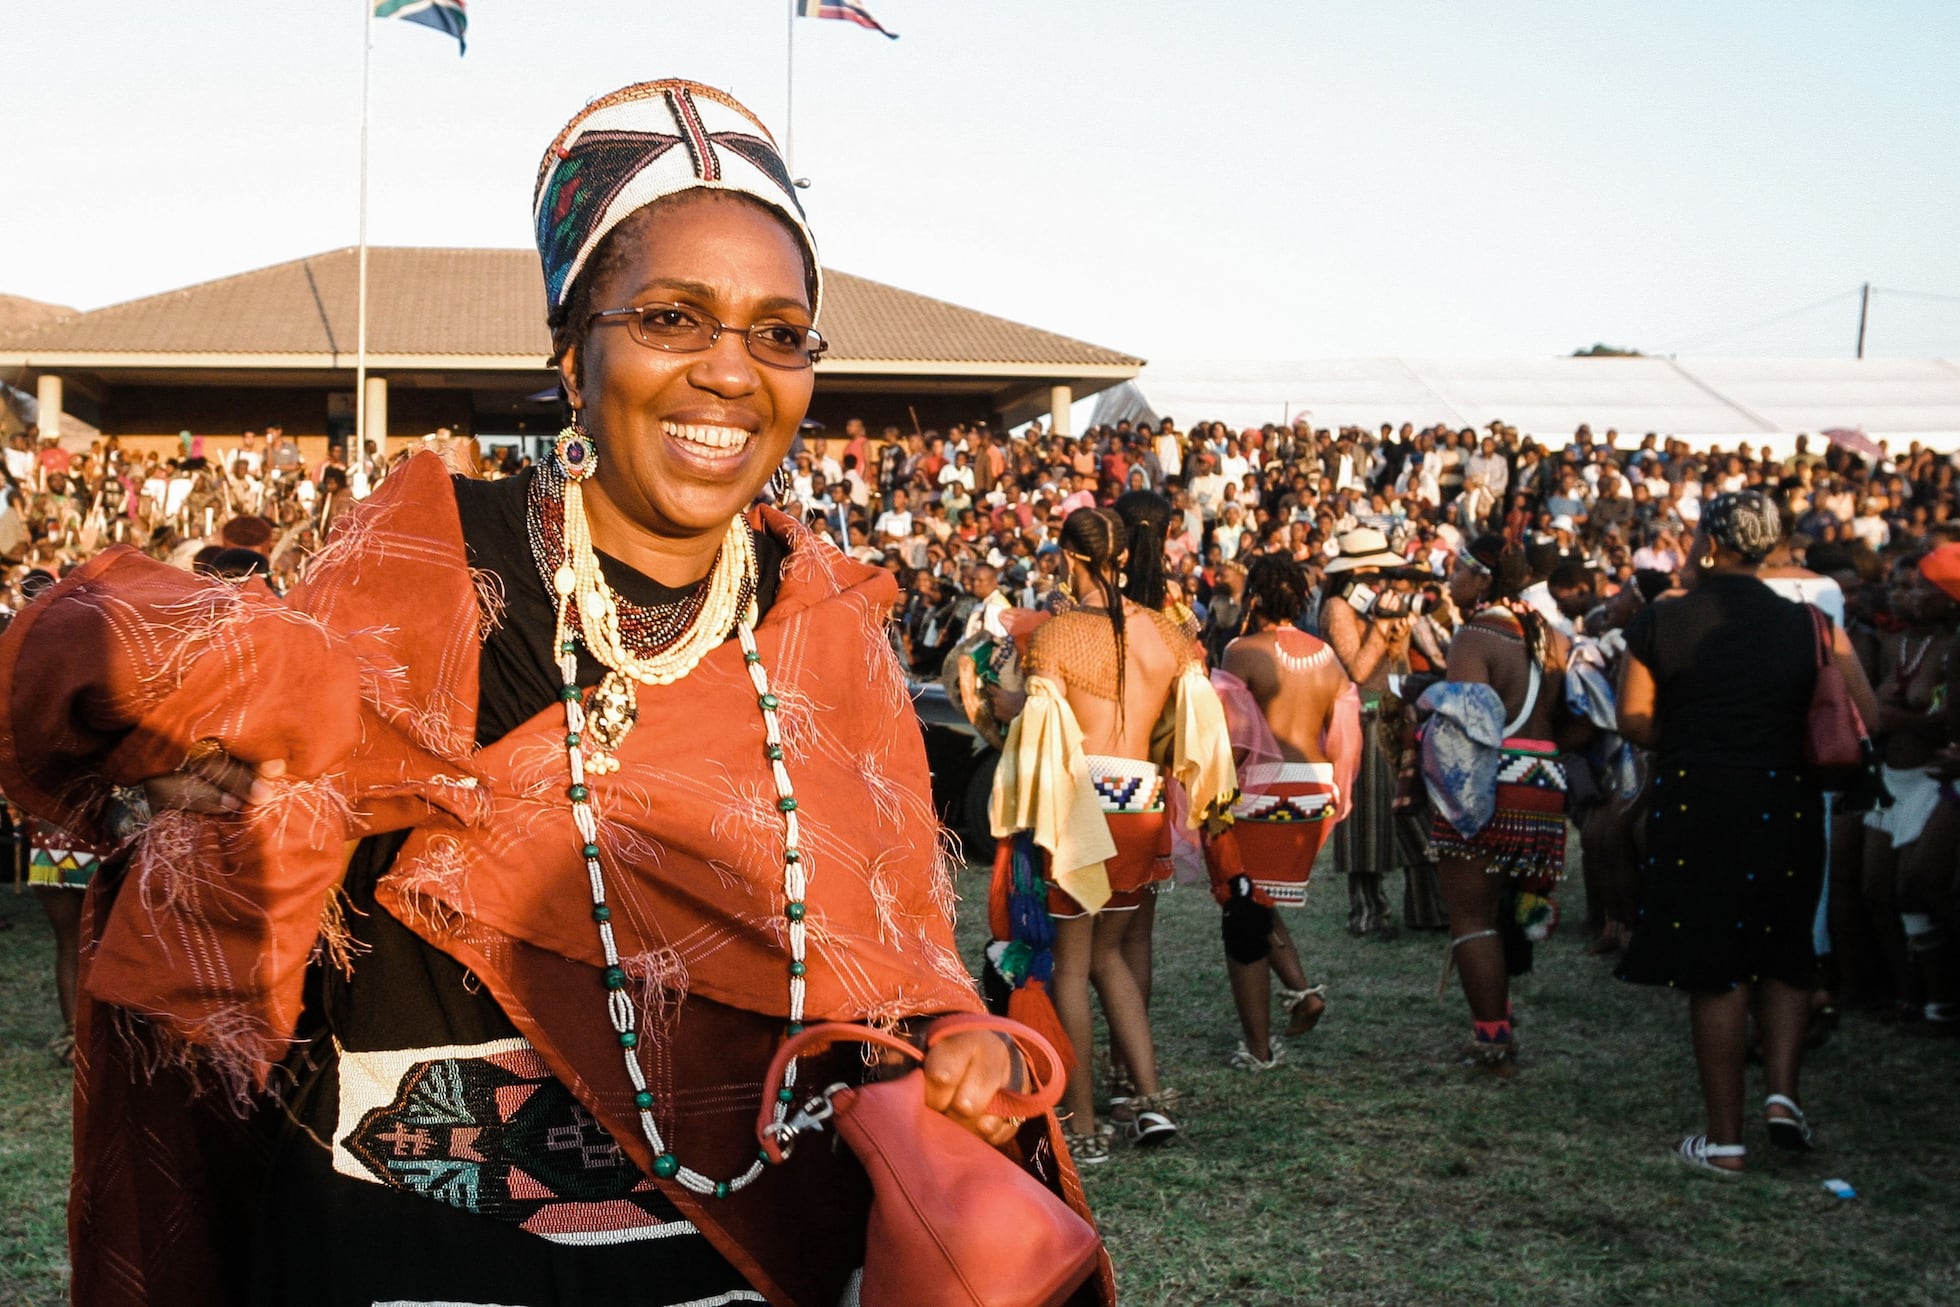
(1262, 179)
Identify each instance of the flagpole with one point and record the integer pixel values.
(789, 92)
(360, 313)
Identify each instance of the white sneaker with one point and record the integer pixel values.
(1243, 1060)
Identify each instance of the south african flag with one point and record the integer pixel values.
(443, 15)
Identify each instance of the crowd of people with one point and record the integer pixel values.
(1426, 561)
(1395, 561)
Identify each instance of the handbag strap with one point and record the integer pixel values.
(1820, 629)
(1043, 1068)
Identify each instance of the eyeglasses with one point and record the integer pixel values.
(681, 329)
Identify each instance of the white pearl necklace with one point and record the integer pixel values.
(579, 580)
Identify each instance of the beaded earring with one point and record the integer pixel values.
(779, 484)
(577, 456)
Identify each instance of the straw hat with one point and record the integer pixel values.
(1364, 547)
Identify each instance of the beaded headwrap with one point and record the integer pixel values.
(643, 143)
(1744, 521)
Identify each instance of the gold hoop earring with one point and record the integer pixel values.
(1706, 562)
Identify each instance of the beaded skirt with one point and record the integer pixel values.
(1282, 819)
(1526, 836)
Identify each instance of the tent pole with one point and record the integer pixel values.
(1864, 309)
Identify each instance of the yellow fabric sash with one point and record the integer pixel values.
(1042, 786)
(1196, 745)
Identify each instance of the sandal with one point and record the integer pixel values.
(1086, 1150)
(1304, 1007)
(1243, 1060)
(1793, 1131)
(1121, 1087)
(1499, 1059)
(1695, 1151)
(1150, 1125)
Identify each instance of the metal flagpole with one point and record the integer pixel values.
(359, 452)
(789, 94)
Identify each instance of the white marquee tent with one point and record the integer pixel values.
(1703, 400)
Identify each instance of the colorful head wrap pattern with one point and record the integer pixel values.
(1745, 521)
(640, 144)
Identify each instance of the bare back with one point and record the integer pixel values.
(1296, 680)
(1078, 649)
(1490, 648)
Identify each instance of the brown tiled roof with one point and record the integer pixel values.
(491, 303)
(18, 314)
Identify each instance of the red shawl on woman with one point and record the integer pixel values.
(365, 679)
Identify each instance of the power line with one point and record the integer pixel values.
(1757, 326)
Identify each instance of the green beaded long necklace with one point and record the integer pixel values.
(578, 463)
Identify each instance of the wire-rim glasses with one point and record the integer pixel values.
(684, 329)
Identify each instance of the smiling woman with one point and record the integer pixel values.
(513, 847)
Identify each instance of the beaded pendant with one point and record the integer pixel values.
(577, 456)
(610, 714)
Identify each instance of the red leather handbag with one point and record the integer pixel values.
(954, 1221)
(1834, 734)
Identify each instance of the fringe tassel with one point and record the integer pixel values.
(1031, 1006)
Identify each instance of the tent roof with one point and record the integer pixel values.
(1733, 398)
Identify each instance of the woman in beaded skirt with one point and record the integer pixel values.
(1509, 654)
(1718, 683)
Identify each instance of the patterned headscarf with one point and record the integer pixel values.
(1745, 521)
(642, 143)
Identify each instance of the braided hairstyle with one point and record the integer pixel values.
(1510, 574)
(1147, 522)
(1277, 585)
(1096, 538)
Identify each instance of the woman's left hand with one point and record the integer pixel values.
(963, 1073)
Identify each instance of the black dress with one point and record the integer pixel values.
(418, 1227)
(1735, 829)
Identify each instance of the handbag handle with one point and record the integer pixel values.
(1820, 629)
(1046, 1083)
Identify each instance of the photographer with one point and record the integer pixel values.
(1368, 623)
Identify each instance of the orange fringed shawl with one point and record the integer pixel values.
(365, 679)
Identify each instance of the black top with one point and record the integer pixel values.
(1734, 665)
(433, 1234)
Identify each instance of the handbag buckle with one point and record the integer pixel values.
(816, 1110)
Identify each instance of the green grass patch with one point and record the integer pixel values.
(34, 1109)
(1369, 1169)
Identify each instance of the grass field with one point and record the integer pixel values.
(1369, 1169)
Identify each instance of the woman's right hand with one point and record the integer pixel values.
(212, 781)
